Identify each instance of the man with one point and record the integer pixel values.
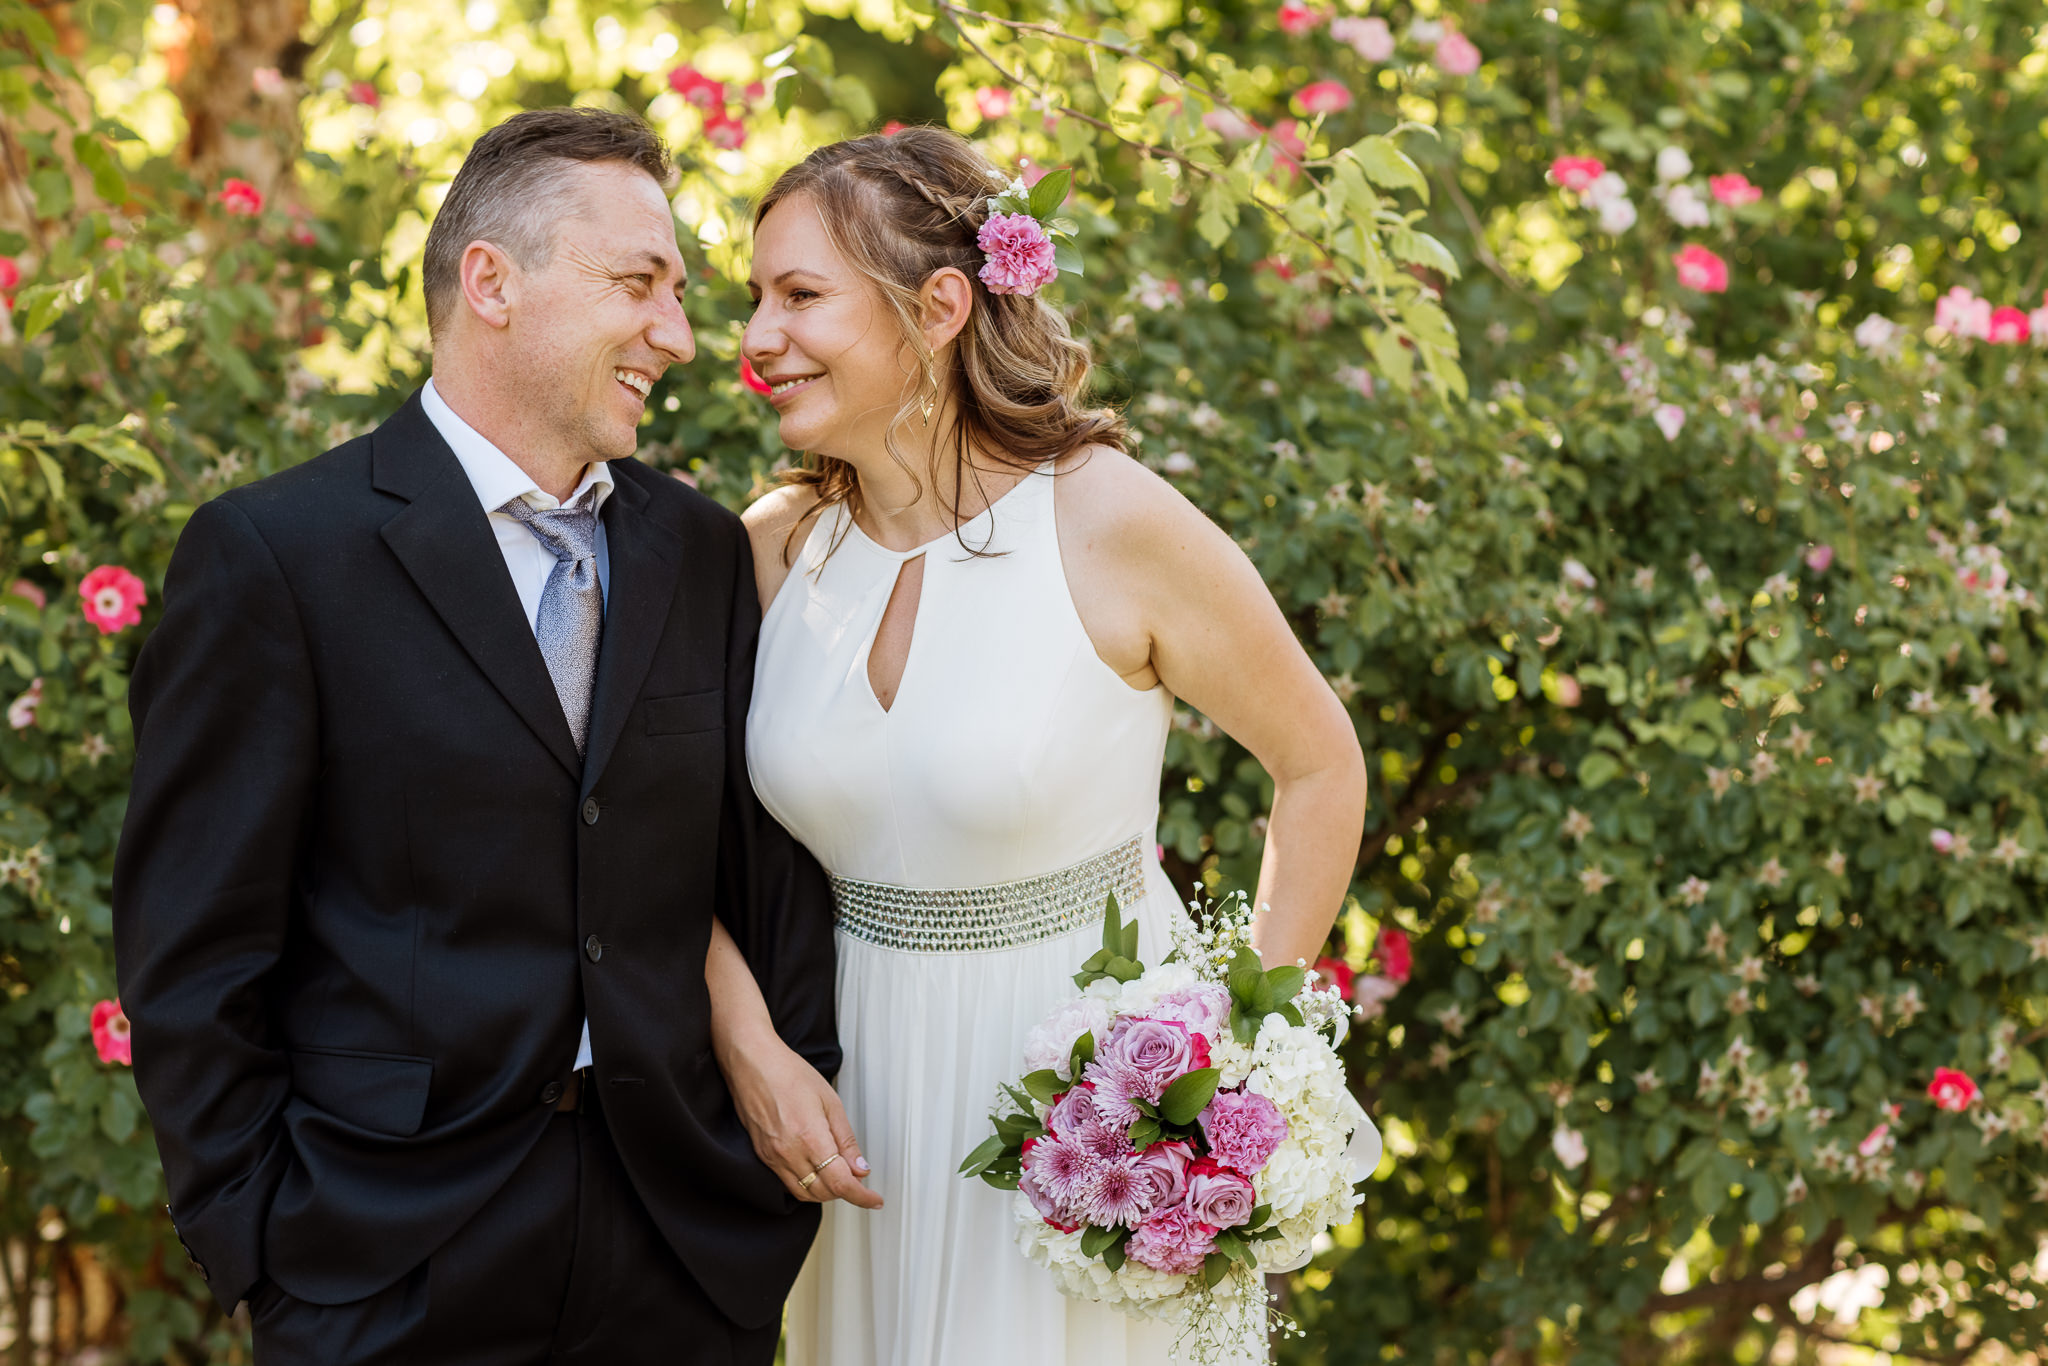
(440, 798)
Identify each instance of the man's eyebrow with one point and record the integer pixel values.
(664, 264)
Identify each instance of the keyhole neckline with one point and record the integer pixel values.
(963, 530)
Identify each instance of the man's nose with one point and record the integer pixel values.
(672, 336)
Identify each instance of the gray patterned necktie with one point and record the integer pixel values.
(571, 616)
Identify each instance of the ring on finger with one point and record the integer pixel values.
(808, 1181)
(822, 1165)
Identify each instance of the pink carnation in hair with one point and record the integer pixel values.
(1243, 1129)
(1172, 1241)
(1020, 256)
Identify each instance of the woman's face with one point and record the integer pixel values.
(824, 339)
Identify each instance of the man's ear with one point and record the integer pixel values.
(490, 283)
(947, 301)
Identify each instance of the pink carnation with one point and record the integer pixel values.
(1577, 174)
(1172, 1241)
(1734, 189)
(1323, 97)
(1371, 39)
(1456, 55)
(1020, 256)
(113, 598)
(1700, 269)
(1243, 1129)
(110, 1033)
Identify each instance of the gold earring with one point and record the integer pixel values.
(928, 396)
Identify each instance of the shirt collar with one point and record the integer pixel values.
(492, 473)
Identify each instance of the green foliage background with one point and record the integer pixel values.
(1570, 642)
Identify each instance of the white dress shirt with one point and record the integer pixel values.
(498, 481)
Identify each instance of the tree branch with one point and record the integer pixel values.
(1751, 1291)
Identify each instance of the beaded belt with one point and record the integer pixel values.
(1005, 916)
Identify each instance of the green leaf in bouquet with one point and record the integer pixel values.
(1246, 973)
(1189, 1096)
(1097, 1239)
(977, 1161)
(1112, 927)
(1114, 1255)
(1286, 982)
(1130, 944)
(1049, 193)
(1245, 1026)
(1003, 1181)
(1044, 1085)
(1289, 1012)
(1145, 1133)
(1215, 1267)
(1092, 969)
(1259, 1217)
(1083, 1054)
(1144, 1107)
(1124, 969)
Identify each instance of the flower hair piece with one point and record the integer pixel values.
(1026, 245)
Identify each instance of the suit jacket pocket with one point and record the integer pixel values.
(685, 712)
(385, 1092)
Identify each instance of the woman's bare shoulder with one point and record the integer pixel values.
(1109, 498)
(775, 528)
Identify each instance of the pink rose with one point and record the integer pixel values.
(1203, 1009)
(1819, 558)
(724, 131)
(1243, 1129)
(1962, 314)
(24, 589)
(21, 712)
(10, 276)
(1700, 269)
(1287, 140)
(1230, 125)
(363, 93)
(241, 198)
(1162, 1051)
(1397, 958)
(1577, 174)
(113, 598)
(1455, 54)
(994, 101)
(1218, 1196)
(1371, 993)
(1163, 1168)
(1323, 97)
(1942, 840)
(1951, 1090)
(2008, 326)
(110, 1033)
(1733, 189)
(1172, 1241)
(1020, 256)
(1371, 39)
(1296, 18)
(697, 88)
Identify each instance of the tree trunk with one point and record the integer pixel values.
(232, 128)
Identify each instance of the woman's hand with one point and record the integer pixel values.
(797, 1123)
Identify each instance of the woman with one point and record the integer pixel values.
(978, 611)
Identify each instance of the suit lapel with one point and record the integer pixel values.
(645, 560)
(444, 540)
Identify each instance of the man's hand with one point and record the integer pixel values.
(797, 1124)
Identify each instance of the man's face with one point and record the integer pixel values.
(598, 324)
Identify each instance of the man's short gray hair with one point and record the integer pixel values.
(516, 186)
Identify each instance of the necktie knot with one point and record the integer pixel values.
(570, 532)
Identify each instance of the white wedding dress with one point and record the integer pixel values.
(1011, 752)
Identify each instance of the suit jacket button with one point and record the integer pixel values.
(551, 1093)
(590, 811)
(592, 949)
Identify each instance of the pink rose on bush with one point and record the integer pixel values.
(1323, 97)
(241, 198)
(1733, 189)
(1371, 39)
(1455, 54)
(1951, 1090)
(1397, 958)
(2008, 326)
(1700, 269)
(1335, 972)
(1172, 1241)
(725, 131)
(1819, 558)
(994, 101)
(110, 1033)
(1287, 140)
(363, 93)
(697, 88)
(113, 598)
(10, 276)
(1218, 1196)
(1370, 993)
(1020, 256)
(21, 712)
(1243, 1129)
(1944, 841)
(1962, 314)
(1577, 173)
(1297, 18)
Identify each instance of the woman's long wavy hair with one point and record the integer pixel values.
(900, 207)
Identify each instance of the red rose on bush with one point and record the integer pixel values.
(10, 276)
(241, 198)
(1951, 1090)
(1397, 958)
(697, 88)
(1337, 973)
(1700, 269)
(113, 598)
(110, 1033)
(1577, 173)
(724, 131)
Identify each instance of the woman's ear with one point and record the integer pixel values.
(946, 300)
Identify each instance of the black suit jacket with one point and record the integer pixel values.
(366, 890)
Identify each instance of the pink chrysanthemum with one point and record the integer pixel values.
(1020, 255)
(1116, 1197)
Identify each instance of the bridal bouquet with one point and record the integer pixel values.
(1180, 1130)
